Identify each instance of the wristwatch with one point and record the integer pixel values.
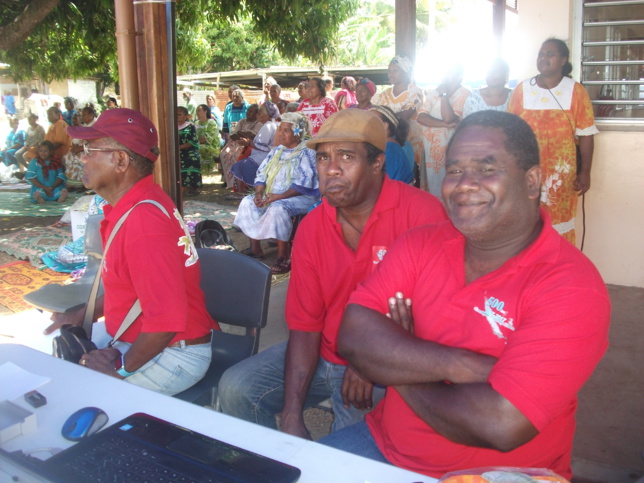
(120, 367)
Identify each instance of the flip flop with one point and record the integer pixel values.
(281, 265)
(249, 253)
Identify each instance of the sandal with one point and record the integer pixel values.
(281, 265)
(249, 253)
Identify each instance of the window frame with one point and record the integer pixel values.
(603, 123)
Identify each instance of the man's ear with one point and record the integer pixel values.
(378, 163)
(123, 161)
(533, 182)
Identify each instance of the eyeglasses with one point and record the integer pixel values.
(87, 149)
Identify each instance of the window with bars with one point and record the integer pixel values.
(613, 57)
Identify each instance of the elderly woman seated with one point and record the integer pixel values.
(286, 185)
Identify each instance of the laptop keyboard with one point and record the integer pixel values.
(119, 460)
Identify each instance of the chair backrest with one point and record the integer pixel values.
(237, 289)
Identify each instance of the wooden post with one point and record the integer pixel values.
(126, 48)
(156, 66)
(406, 28)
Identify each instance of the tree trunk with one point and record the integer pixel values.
(17, 31)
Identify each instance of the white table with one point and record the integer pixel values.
(72, 387)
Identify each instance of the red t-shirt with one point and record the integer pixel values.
(544, 314)
(325, 270)
(152, 258)
(318, 113)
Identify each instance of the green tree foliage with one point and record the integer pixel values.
(77, 38)
(235, 46)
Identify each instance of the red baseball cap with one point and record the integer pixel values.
(126, 126)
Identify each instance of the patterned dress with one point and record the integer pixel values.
(436, 138)
(190, 161)
(317, 113)
(556, 123)
(211, 148)
(282, 169)
(411, 98)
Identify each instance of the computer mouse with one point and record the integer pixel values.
(83, 423)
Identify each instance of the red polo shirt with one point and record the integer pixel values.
(152, 258)
(544, 314)
(325, 270)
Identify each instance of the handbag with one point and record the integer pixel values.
(74, 341)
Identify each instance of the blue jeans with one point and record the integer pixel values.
(173, 370)
(355, 439)
(254, 389)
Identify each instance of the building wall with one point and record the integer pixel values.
(83, 91)
(615, 202)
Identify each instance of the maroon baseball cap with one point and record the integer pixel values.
(126, 126)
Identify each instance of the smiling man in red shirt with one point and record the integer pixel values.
(496, 321)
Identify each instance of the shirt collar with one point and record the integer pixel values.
(134, 195)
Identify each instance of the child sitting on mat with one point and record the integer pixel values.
(46, 174)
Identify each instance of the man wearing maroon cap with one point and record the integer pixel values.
(151, 259)
(337, 245)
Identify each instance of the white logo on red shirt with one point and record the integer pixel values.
(496, 316)
(185, 241)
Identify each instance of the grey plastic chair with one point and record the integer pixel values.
(67, 298)
(237, 290)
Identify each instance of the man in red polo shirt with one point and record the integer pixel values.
(337, 245)
(502, 323)
(151, 258)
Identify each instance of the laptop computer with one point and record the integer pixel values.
(144, 448)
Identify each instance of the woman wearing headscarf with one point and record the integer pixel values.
(405, 99)
(441, 112)
(347, 94)
(244, 171)
(317, 107)
(559, 111)
(208, 135)
(286, 185)
(238, 146)
(365, 90)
